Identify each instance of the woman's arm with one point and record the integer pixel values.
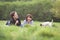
(18, 22)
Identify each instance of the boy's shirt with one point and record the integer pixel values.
(25, 22)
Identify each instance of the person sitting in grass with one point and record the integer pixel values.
(28, 20)
(14, 19)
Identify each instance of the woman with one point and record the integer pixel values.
(14, 19)
(28, 20)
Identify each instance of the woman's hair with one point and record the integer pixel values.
(12, 13)
(28, 15)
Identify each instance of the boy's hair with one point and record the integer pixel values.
(28, 15)
(12, 13)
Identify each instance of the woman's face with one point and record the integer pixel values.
(15, 15)
(29, 19)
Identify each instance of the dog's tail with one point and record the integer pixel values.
(52, 20)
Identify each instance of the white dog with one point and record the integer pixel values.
(47, 24)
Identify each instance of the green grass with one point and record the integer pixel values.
(35, 32)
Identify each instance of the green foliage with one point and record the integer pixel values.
(56, 10)
(39, 9)
(14, 0)
(42, 10)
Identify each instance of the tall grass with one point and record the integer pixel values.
(35, 32)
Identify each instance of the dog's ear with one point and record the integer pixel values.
(40, 24)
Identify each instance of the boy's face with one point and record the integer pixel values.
(29, 19)
(15, 15)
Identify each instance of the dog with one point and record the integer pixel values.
(47, 23)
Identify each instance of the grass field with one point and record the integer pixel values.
(34, 32)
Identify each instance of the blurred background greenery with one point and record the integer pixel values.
(42, 10)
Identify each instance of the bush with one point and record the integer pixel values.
(39, 10)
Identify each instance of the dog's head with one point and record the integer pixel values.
(40, 24)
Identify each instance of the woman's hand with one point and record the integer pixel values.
(16, 22)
